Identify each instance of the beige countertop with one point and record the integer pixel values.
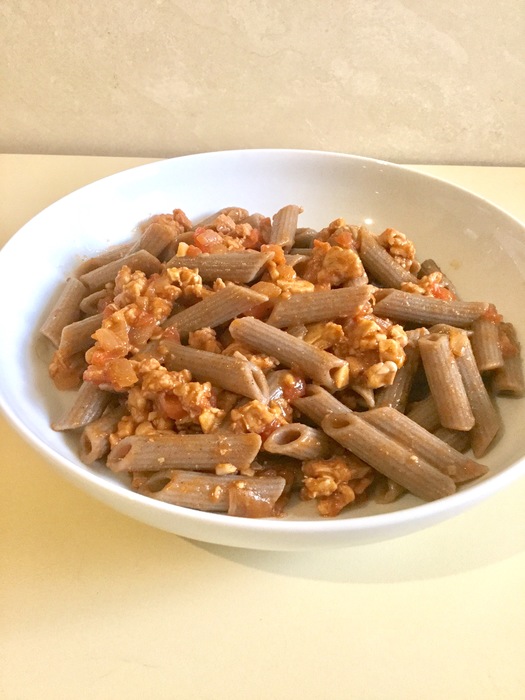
(95, 605)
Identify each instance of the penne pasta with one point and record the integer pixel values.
(458, 439)
(425, 413)
(508, 380)
(445, 382)
(155, 239)
(323, 367)
(487, 420)
(242, 267)
(396, 394)
(305, 237)
(77, 336)
(237, 214)
(429, 266)
(427, 311)
(90, 403)
(305, 252)
(254, 496)
(90, 303)
(299, 441)
(284, 226)
(379, 264)
(216, 309)
(388, 457)
(295, 259)
(94, 440)
(65, 311)
(100, 276)
(231, 373)
(114, 253)
(424, 444)
(175, 451)
(318, 403)
(486, 345)
(319, 306)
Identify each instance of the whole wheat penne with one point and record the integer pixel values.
(215, 309)
(114, 253)
(213, 493)
(458, 439)
(404, 306)
(429, 266)
(425, 413)
(487, 420)
(485, 344)
(318, 403)
(388, 457)
(379, 264)
(320, 365)
(141, 260)
(199, 452)
(305, 252)
(89, 404)
(255, 220)
(387, 491)
(305, 237)
(65, 310)
(94, 440)
(509, 378)
(90, 303)
(76, 337)
(357, 281)
(424, 444)
(319, 306)
(155, 239)
(237, 214)
(174, 248)
(396, 394)
(242, 267)
(284, 226)
(299, 441)
(248, 499)
(293, 260)
(445, 382)
(231, 373)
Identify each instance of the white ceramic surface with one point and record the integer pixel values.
(478, 245)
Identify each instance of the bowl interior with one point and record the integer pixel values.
(480, 247)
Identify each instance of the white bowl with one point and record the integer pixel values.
(478, 245)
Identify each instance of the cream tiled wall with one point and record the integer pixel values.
(407, 80)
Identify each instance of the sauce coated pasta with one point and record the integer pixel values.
(228, 365)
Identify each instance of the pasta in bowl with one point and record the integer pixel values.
(240, 378)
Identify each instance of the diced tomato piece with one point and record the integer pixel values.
(344, 239)
(491, 314)
(109, 310)
(268, 430)
(120, 373)
(171, 333)
(193, 251)
(439, 292)
(205, 239)
(261, 310)
(294, 390)
(252, 239)
(171, 406)
(99, 357)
